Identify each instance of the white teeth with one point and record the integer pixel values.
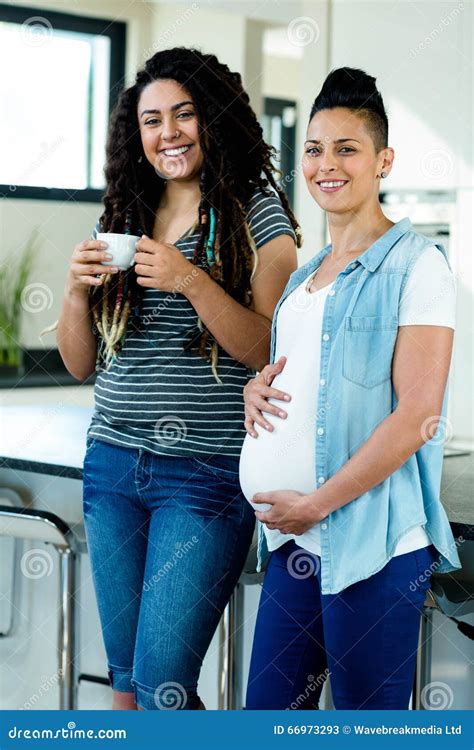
(332, 184)
(176, 151)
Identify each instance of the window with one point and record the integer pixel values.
(279, 129)
(61, 75)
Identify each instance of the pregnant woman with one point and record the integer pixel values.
(176, 338)
(345, 476)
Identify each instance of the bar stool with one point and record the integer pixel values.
(11, 498)
(452, 594)
(43, 527)
(229, 687)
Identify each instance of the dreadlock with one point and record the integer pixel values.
(237, 161)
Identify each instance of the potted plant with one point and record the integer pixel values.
(14, 275)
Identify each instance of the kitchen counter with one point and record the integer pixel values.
(44, 439)
(457, 493)
(52, 440)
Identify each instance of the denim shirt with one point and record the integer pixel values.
(354, 393)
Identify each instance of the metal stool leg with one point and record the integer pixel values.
(423, 659)
(67, 632)
(226, 671)
(231, 653)
(16, 589)
(11, 498)
(238, 637)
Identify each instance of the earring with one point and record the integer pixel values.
(140, 159)
(383, 175)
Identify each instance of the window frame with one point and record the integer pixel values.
(116, 31)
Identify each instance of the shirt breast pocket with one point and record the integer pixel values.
(368, 346)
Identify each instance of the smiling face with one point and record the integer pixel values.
(340, 161)
(169, 130)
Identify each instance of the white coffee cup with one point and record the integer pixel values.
(121, 246)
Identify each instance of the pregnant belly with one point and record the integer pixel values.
(283, 459)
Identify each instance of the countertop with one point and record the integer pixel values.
(44, 439)
(52, 440)
(457, 493)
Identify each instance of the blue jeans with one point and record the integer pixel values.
(365, 637)
(167, 538)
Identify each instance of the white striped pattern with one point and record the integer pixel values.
(177, 395)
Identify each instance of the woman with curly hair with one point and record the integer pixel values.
(174, 339)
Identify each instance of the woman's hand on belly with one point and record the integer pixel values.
(256, 395)
(291, 513)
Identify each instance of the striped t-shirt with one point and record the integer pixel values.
(161, 397)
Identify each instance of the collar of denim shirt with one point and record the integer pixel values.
(370, 259)
(374, 255)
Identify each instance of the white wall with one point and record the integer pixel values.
(421, 55)
(281, 77)
(199, 25)
(232, 37)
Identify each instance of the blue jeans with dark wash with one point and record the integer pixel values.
(167, 538)
(364, 638)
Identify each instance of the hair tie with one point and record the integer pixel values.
(211, 239)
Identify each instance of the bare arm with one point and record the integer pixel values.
(420, 371)
(245, 333)
(76, 341)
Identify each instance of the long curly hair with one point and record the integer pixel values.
(237, 161)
